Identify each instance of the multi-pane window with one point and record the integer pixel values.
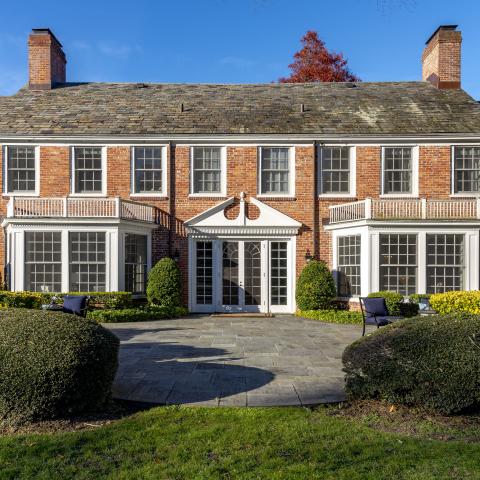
(397, 170)
(275, 170)
(207, 170)
(278, 273)
(135, 263)
(445, 262)
(334, 170)
(148, 169)
(87, 170)
(21, 169)
(466, 169)
(204, 273)
(348, 265)
(87, 262)
(398, 263)
(43, 261)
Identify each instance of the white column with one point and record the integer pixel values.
(121, 260)
(374, 272)
(471, 260)
(65, 262)
(422, 262)
(365, 262)
(114, 257)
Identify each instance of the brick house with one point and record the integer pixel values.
(241, 184)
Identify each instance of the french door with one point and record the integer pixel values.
(241, 276)
(235, 275)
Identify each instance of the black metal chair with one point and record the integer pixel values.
(375, 312)
(76, 305)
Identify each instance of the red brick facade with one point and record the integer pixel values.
(305, 207)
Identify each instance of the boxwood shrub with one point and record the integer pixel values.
(461, 301)
(53, 364)
(136, 314)
(164, 286)
(35, 299)
(332, 316)
(431, 362)
(315, 287)
(395, 303)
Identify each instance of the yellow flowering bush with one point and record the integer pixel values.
(460, 301)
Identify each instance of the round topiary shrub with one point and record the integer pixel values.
(53, 364)
(431, 362)
(315, 287)
(164, 285)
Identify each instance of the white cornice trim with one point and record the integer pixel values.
(404, 223)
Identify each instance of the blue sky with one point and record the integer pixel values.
(232, 41)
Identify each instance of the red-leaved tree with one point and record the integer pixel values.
(314, 63)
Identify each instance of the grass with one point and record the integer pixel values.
(198, 443)
(333, 316)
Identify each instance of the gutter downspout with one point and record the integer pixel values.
(171, 197)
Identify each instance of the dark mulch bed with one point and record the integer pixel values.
(412, 422)
(114, 411)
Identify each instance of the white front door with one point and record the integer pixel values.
(237, 275)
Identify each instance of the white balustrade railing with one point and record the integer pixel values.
(405, 209)
(25, 207)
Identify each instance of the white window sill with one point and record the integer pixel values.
(465, 195)
(400, 195)
(21, 194)
(88, 195)
(207, 195)
(337, 195)
(279, 196)
(149, 195)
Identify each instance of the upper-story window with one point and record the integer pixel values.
(399, 171)
(466, 166)
(208, 171)
(22, 170)
(149, 168)
(337, 176)
(88, 170)
(276, 169)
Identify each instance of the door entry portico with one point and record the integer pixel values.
(242, 265)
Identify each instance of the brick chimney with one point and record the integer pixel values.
(46, 60)
(441, 62)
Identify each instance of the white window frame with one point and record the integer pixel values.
(223, 173)
(352, 161)
(103, 193)
(452, 173)
(414, 178)
(337, 266)
(291, 173)
(32, 193)
(161, 193)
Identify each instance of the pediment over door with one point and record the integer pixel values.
(268, 222)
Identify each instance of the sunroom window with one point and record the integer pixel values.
(348, 265)
(398, 263)
(445, 262)
(135, 263)
(466, 169)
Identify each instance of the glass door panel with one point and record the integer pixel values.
(278, 273)
(253, 273)
(230, 274)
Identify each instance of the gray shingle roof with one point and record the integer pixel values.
(404, 108)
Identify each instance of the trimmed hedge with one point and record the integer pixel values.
(395, 303)
(53, 364)
(137, 314)
(164, 286)
(315, 287)
(431, 362)
(35, 300)
(333, 316)
(460, 301)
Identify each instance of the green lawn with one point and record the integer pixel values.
(200, 443)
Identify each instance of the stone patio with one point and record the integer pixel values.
(234, 361)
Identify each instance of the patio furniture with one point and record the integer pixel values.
(424, 307)
(375, 312)
(75, 304)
